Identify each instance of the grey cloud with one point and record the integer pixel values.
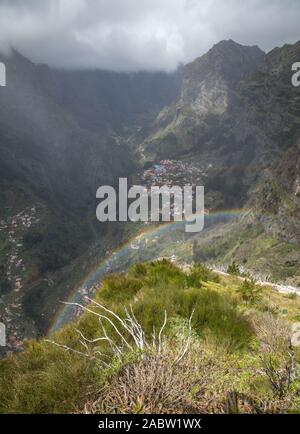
(128, 35)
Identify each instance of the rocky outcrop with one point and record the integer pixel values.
(295, 341)
(210, 80)
(198, 120)
(236, 111)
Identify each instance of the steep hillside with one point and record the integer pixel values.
(238, 117)
(206, 95)
(187, 342)
(62, 135)
(266, 240)
(229, 120)
(236, 113)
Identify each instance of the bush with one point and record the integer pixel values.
(234, 269)
(200, 273)
(43, 379)
(154, 383)
(250, 292)
(118, 287)
(277, 356)
(234, 363)
(215, 314)
(5, 286)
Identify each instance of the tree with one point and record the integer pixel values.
(249, 291)
(233, 269)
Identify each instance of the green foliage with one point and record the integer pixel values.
(42, 379)
(250, 292)
(234, 269)
(166, 287)
(5, 286)
(30, 239)
(200, 273)
(59, 245)
(292, 296)
(118, 287)
(48, 379)
(139, 270)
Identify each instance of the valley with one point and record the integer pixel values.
(234, 129)
(149, 213)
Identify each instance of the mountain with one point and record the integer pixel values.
(195, 122)
(263, 149)
(62, 135)
(230, 120)
(68, 118)
(236, 111)
(232, 112)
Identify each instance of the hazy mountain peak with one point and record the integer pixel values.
(210, 79)
(229, 61)
(219, 89)
(230, 43)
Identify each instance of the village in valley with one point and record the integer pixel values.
(12, 230)
(174, 172)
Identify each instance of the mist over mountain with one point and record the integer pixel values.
(62, 135)
(149, 211)
(65, 133)
(236, 109)
(139, 35)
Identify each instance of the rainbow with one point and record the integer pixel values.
(66, 313)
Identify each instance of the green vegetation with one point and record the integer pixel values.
(250, 292)
(245, 244)
(234, 269)
(237, 350)
(5, 286)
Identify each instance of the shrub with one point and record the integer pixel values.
(5, 286)
(118, 287)
(215, 314)
(154, 383)
(250, 292)
(227, 368)
(277, 356)
(234, 269)
(200, 273)
(43, 379)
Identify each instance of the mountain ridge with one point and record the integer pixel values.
(235, 112)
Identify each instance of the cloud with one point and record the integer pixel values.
(130, 35)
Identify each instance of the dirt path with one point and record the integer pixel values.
(284, 289)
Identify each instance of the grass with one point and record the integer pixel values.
(224, 350)
(247, 244)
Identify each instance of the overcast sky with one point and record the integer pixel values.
(131, 35)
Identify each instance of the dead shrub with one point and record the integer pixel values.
(156, 383)
(277, 355)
